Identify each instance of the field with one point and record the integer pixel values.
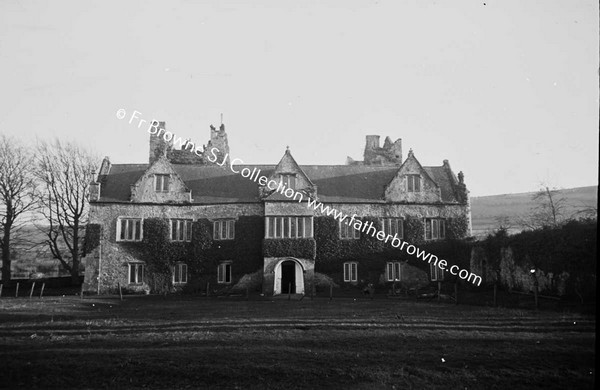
(193, 342)
(486, 210)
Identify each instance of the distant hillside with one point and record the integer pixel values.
(485, 210)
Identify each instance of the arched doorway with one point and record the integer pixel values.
(289, 277)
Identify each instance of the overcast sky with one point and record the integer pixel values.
(507, 91)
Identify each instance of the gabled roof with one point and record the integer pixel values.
(287, 165)
(213, 184)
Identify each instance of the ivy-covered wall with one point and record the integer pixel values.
(202, 255)
(304, 248)
(249, 248)
(564, 259)
(372, 254)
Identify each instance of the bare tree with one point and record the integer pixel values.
(503, 222)
(549, 210)
(17, 186)
(65, 171)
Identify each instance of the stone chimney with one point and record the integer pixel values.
(158, 145)
(105, 167)
(94, 191)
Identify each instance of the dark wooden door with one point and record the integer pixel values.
(288, 277)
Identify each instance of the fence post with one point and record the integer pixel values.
(439, 290)
(17, 291)
(31, 292)
(120, 292)
(1, 285)
(42, 292)
(81, 292)
(207, 289)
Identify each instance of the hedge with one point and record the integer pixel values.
(280, 247)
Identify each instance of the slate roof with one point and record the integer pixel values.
(215, 185)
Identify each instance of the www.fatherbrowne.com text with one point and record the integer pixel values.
(255, 176)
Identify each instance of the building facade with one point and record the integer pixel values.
(189, 218)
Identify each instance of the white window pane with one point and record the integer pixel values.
(230, 230)
(286, 227)
(308, 226)
(270, 227)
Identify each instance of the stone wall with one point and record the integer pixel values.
(396, 191)
(144, 189)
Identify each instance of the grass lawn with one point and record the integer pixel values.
(194, 342)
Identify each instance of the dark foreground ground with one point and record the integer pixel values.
(193, 342)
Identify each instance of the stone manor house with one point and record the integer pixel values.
(222, 227)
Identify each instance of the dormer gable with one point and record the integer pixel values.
(412, 184)
(288, 173)
(160, 184)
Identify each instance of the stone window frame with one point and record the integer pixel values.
(187, 229)
(289, 223)
(128, 219)
(224, 272)
(393, 271)
(437, 274)
(285, 179)
(181, 266)
(164, 184)
(351, 271)
(431, 231)
(387, 223)
(413, 185)
(218, 229)
(139, 267)
(344, 231)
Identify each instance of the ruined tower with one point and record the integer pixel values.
(389, 154)
(218, 139)
(186, 151)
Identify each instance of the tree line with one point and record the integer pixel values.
(45, 186)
